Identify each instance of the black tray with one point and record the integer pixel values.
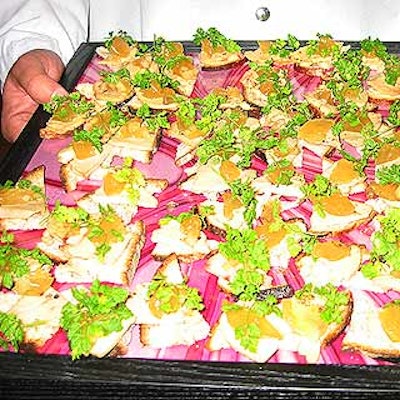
(49, 376)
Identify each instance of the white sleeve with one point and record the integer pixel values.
(57, 25)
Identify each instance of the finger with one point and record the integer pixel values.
(17, 108)
(13, 124)
(41, 88)
(37, 73)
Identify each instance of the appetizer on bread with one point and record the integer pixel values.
(241, 264)
(333, 211)
(373, 330)
(254, 329)
(330, 261)
(67, 113)
(168, 310)
(26, 272)
(214, 177)
(118, 50)
(183, 236)
(382, 271)
(264, 86)
(113, 86)
(385, 190)
(317, 136)
(279, 51)
(97, 320)
(156, 90)
(343, 175)
(217, 51)
(139, 137)
(282, 239)
(316, 315)
(29, 321)
(317, 57)
(23, 204)
(125, 189)
(89, 247)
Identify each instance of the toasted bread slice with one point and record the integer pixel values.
(160, 329)
(365, 332)
(225, 270)
(114, 59)
(40, 315)
(340, 223)
(135, 140)
(58, 129)
(118, 266)
(342, 174)
(214, 58)
(185, 72)
(23, 207)
(121, 201)
(170, 238)
(310, 332)
(223, 336)
(262, 54)
(251, 89)
(379, 89)
(74, 170)
(318, 62)
(116, 342)
(332, 268)
(317, 136)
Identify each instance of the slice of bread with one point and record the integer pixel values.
(40, 315)
(379, 89)
(115, 343)
(341, 223)
(215, 58)
(74, 170)
(125, 208)
(58, 129)
(309, 343)
(119, 264)
(365, 332)
(320, 271)
(139, 148)
(223, 337)
(182, 327)
(24, 209)
(169, 239)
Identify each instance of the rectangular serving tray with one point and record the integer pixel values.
(52, 376)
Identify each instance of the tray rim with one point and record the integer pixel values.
(195, 376)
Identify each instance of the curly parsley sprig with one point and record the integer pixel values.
(245, 192)
(334, 300)
(11, 332)
(284, 47)
(385, 252)
(14, 261)
(61, 106)
(216, 38)
(248, 332)
(93, 136)
(121, 34)
(252, 253)
(170, 297)
(96, 314)
(114, 77)
(153, 120)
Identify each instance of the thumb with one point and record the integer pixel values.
(42, 88)
(37, 73)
